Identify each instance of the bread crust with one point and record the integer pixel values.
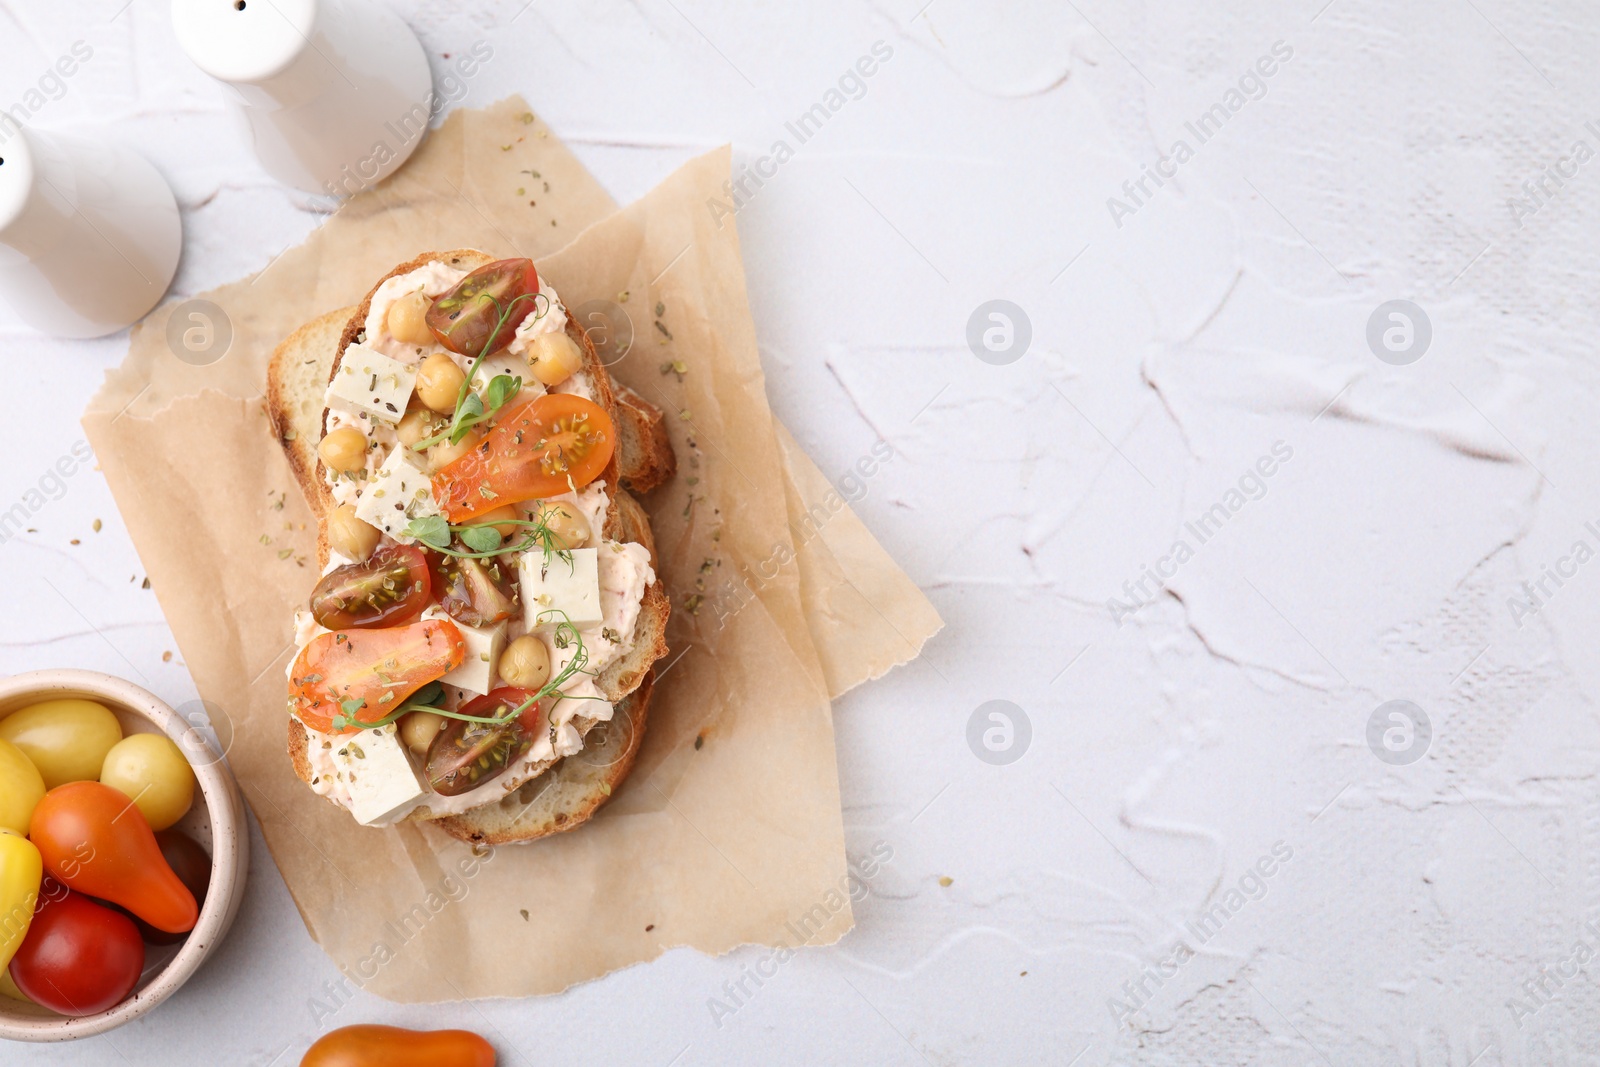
(573, 789)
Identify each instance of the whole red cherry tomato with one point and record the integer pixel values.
(390, 1046)
(481, 314)
(95, 841)
(79, 958)
(193, 868)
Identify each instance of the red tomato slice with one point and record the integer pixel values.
(79, 958)
(379, 668)
(390, 588)
(465, 319)
(552, 444)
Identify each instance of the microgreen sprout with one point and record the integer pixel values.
(502, 389)
(483, 540)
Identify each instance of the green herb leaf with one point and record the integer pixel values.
(431, 530)
(481, 538)
(501, 389)
(427, 696)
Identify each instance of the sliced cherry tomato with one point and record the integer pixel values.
(467, 754)
(390, 588)
(475, 592)
(366, 674)
(390, 1046)
(94, 840)
(193, 868)
(79, 958)
(549, 445)
(465, 319)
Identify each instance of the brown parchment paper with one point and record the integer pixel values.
(733, 840)
(866, 615)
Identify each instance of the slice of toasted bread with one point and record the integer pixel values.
(573, 788)
(644, 452)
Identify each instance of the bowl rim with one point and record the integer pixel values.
(230, 843)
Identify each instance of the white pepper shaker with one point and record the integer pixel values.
(335, 94)
(89, 233)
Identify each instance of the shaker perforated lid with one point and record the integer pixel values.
(17, 173)
(244, 40)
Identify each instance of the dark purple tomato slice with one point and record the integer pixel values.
(390, 589)
(481, 314)
(465, 755)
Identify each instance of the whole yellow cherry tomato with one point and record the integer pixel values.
(21, 873)
(21, 787)
(150, 769)
(66, 739)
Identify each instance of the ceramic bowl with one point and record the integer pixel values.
(216, 821)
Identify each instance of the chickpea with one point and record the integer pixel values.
(525, 663)
(554, 357)
(568, 528)
(418, 729)
(344, 450)
(505, 520)
(408, 319)
(439, 382)
(443, 454)
(349, 536)
(418, 424)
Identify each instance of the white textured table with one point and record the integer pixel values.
(1200, 858)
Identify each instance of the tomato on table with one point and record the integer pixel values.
(390, 1046)
(391, 587)
(366, 674)
(481, 314)
(79, 958)
(465, 755)
(94, 840)
(546, 446)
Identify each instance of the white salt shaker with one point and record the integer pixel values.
(336, 94)
(89, 233)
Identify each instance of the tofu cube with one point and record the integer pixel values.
(399, 490)
(503, 362)
(562, 582)
(383, 784)
(370, 383)
(484, 645)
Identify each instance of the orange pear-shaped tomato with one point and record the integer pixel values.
(390, 1046)
(96, 841)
